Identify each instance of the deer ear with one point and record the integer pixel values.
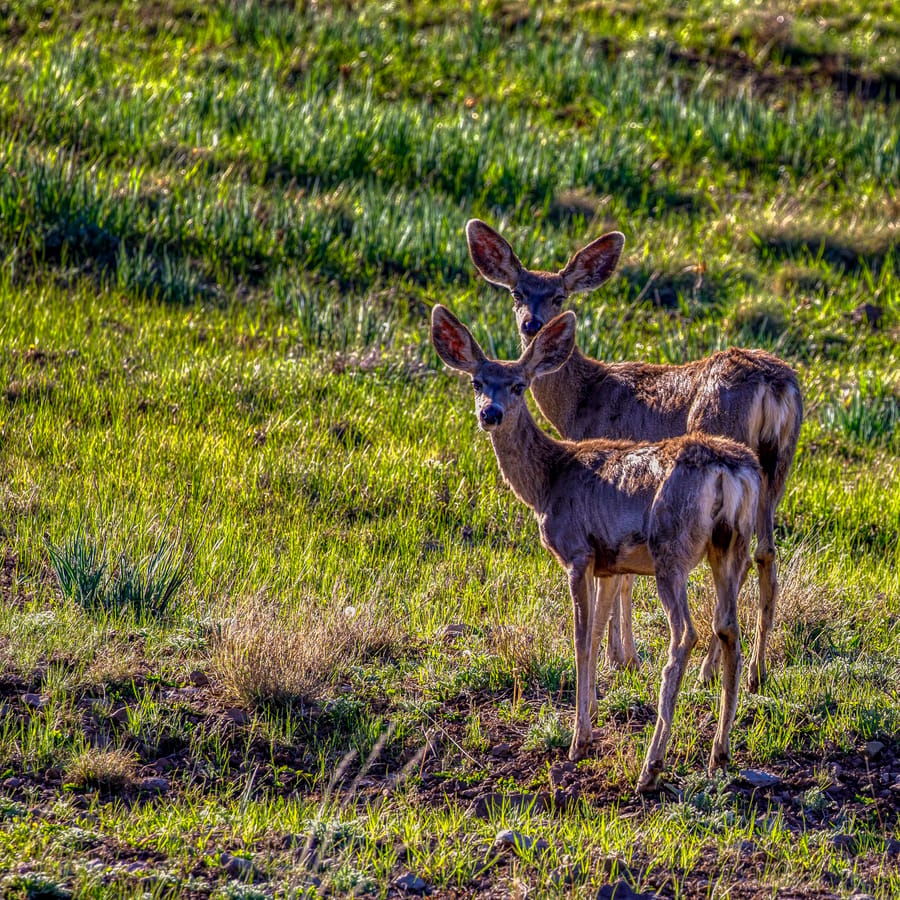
(453, 342)
(552, 347)
(492, 254)
(592, 265)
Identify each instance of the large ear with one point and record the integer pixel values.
(453, 342)
(492, 254)
(552, 347)
(590, 267)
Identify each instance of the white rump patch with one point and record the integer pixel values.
(771, 419)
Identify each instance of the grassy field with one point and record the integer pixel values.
(270, 623)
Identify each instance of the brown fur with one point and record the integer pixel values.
(607, 508)
(749, 396)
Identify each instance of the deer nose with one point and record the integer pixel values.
(532, 326)
(491, 415)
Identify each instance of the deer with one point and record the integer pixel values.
(750, 396)
(606, 508)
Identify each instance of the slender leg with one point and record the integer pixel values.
(632, 660)
(580, 587)
(620, 650)
(605, 594)
(729, 569)
(768, 585)
(710, 666)
(672, 589)
(615, 649)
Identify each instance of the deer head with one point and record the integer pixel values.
(500, 386)
(539, 296)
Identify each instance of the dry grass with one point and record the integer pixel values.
(111, 770)
(529, 652)
(115, 665)
(804, 606)
(266, 654)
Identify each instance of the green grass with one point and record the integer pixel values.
(241, 501)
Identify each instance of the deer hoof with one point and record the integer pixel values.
(756, 678)
(719, 760)
(708, 675)
(579, 749)
(649, 780)
(624, 663)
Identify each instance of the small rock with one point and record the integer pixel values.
(615, 865)
(411, 883)
(238, 716)
(621, 890)
(35, 701)
(846, 843)
(12, 782)
(501, 750)
(567, 874)
(240, 869)
(453, 632)
(746, 848)
(119, 716)
(521, 844)
(154, 785)
(758, 779)
(565, 798)
(873, 748)
(198, 678)
(892, 847)
(868, 314)
(164, 764)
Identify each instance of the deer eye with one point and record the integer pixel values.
(518, 389)
(518, 299)
(476, 385)
(557, 301)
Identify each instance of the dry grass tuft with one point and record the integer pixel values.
(804, 606)
(115, 665)
(111, 770)
(529, 652)
(266, 654)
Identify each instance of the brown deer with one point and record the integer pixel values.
(607, 508)
(749, 396)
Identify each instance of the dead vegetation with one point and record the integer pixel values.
(111, 770)
(269, 654)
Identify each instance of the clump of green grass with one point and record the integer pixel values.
(149, 589)
(79, 566)
(33, 886)
(549, 731)
(266, 654)
(869, 413)
(146, 590)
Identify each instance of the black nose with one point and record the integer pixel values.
(491, 415)
(532, 326)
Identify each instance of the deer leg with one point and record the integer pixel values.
(605, 595)
(710, 666)
(768, 585)
(729, 567)
(672, 589)
(615, 651)
(620, 650)
(581, 589)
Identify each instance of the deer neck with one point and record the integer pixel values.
(527, 457)
(559, 394)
